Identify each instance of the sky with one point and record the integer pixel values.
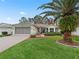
(12, 10)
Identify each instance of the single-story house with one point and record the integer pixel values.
(6, 28)
(29, 28)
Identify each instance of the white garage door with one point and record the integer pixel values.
(22, 30)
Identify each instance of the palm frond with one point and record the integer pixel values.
(61, 8)
(50, 13)
(57, 17)
(44, 5)
(51, 5)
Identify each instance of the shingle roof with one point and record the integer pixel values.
(28, 24)
(41, 25)
(5, 25)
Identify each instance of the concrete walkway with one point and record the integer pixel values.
(9, 41)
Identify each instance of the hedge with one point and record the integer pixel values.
(52, 33)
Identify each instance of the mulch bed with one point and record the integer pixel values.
(38, 36)
(72, 44)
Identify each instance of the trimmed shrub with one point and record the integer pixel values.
(5, 33)
(1, 36)
(33, 36)
(52, 33)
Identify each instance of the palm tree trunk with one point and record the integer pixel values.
(67, 37)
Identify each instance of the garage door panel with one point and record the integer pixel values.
(22, 30)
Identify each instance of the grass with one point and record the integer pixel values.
(41, 48)
(76, 38)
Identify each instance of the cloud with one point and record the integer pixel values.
(8, 18)
(2, 0)
(22, 13)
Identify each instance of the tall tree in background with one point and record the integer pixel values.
(23, 20)
(31, 20)
(41, 20)
(38, 19)
(65, 11)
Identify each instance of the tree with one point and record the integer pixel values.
(31, 20)
(42, 20)
(65, 11)
(23, 20)
(38, 19)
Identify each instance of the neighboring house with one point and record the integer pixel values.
(6, 28)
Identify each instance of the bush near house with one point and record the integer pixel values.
(1, 36)
(4, 33)
(38, 36)
(33, 36)
(52, 33)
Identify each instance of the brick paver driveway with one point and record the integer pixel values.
(9, 41)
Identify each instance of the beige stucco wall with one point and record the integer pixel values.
(33, 30)
(13, 30)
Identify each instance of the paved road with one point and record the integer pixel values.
(7, 42)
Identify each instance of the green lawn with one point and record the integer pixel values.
(41, 48)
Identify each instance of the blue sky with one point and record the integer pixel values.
(12, 10)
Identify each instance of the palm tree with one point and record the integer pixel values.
(64, 11)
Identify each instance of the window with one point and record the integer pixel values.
(51, 29)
